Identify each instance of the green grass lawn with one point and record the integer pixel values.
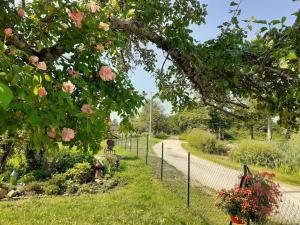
(225, 161)
(142, 199)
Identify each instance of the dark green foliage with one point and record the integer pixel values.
(63, 160)
(27, 178)
(258, 153)
(72, 187)
(40, 174)
(80, 173)
(59, 180)
(161, 135)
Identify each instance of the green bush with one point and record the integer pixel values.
(206, 142)
(59, 180)
(63, 160)
(161, 135)
(260, 153)
(40, 174)
(80, 173)
(27, 178)
(51, 189)
(35, 187)
(291, 155)
(71, 187)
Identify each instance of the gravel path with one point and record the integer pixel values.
(212, 175)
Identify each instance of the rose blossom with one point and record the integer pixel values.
(42, 92)
(77, 17)
(104, 26)
(21, 12)
(52, 132)
(67, 134)
(106, 74)
(8, 32)
(42, 66)
(99, 47)
(86, 108)
(93, 6)
(33, 59)
(68, 87)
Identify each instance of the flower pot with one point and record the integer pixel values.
(237, 220)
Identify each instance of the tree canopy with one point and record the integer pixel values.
(64, 64)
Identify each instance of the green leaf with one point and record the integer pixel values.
(233, 3)
(283, 19)
(260, 21)
(274, 22)
(292, 55)
(6, 95)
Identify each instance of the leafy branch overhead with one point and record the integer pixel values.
(64, 64)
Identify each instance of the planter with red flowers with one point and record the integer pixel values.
(253, 200)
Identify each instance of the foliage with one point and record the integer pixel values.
(260, 153)
(72, 187)
(40, 174)
(205, 142)
(59, 180)
(63, 159)
(291, 155)
(161, 135)
(250, 200)
(51, 189)
(35, 187)
(27, 178)
(80, 173)
(159, 119)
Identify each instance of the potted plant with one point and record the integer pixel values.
(255, 199)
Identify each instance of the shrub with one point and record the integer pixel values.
(59, 180)
(35, 187)
(260, 153)
(27, 178)
(72, 187)
(63, 160)
(40, 174)
(161, 135)
(206, 142)
(51, 189)
(291, 155)
(80, 173)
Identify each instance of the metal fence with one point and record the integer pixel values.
(196, 181)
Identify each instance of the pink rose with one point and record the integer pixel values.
(33, 59)
(8, 32)
(21, 12)
(67, 134)
(104, 26)
(42, 66)
(106, 74)
(86, 108)
(93, 7)
(68, 87)
(52, 132)
(42, 92)
(77, 17)
(100, 47)
(12, 52)
(73, 73)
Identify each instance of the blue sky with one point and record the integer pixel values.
(217, 14)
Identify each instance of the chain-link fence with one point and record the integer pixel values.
(196, 181)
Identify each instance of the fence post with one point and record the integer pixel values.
(126, 143)
(147, 149)
(137, 146)
(162, 162)
(130, 143)
(189, 179)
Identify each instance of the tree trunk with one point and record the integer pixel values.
(269, 137)
(7, 150)
(251, 129)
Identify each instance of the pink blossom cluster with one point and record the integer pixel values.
(106, 73)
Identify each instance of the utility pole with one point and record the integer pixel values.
(150, 115)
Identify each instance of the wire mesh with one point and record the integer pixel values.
(206, 179)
